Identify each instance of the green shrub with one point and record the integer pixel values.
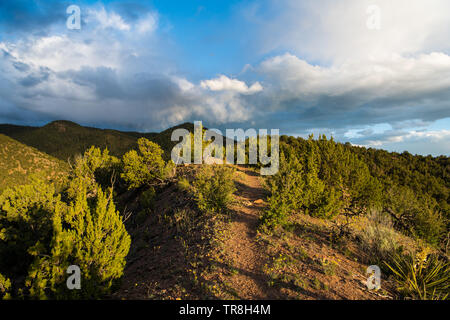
(184, 184)
(351, 187)
(423, 276)
(430, 226)
(297, 187)
(319, 200)
(146, 166)
(213, 188)
(94, 167)
(91, 237)
(5, 287)
(414, 215)
(41, 236)
(169, 170)
(25, 221)
(285, 189)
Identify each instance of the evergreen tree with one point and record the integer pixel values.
(286, 188)
(41, 236)
(91, 237)
(25, 222)
(95, 166)
(147, 166)
(213, 188)
(319, 200)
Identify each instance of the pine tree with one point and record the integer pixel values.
(286, 190)
(146, 166)
(25, 222)
(40, 236)
(95, 166)
(319, 199)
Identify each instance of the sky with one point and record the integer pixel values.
(375, 73)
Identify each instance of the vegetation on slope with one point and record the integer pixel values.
(43, 232)
(18, 163)
(324, 178)
(65, 139)
(359, 205)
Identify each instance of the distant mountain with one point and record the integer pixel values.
(18, 163)
(64, 139)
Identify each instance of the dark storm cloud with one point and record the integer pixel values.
(155, 89)
(35, 78)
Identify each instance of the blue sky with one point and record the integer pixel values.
(375, 73)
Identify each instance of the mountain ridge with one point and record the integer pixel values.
(64, 139)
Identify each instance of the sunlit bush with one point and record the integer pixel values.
(41, 236)
(213, 188)
(146, 166)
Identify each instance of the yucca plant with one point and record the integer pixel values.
(423, 276)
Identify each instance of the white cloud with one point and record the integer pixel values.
(62, 52)
(336, 31)
(434, 142)
(108, 19)
(109, 81)
(432, 136)
(104, 41)
(148, 23)
(394, 88)
(103, 19)
(183, 83)
(223, 83)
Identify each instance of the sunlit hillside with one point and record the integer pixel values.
(19, 163)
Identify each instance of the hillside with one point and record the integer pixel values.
(224, 232)
(18, 163)
(64, 139)
(213, 256)
(225, 257)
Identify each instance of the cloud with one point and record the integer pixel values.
(148, 23)
(336, 31)
(434, 142)
(108, 19)
(394, 89)
(36, 78)
(108, 83)
(63, 52)
(223, 83)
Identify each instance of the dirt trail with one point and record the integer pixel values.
(243, 252)
(158, 270)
